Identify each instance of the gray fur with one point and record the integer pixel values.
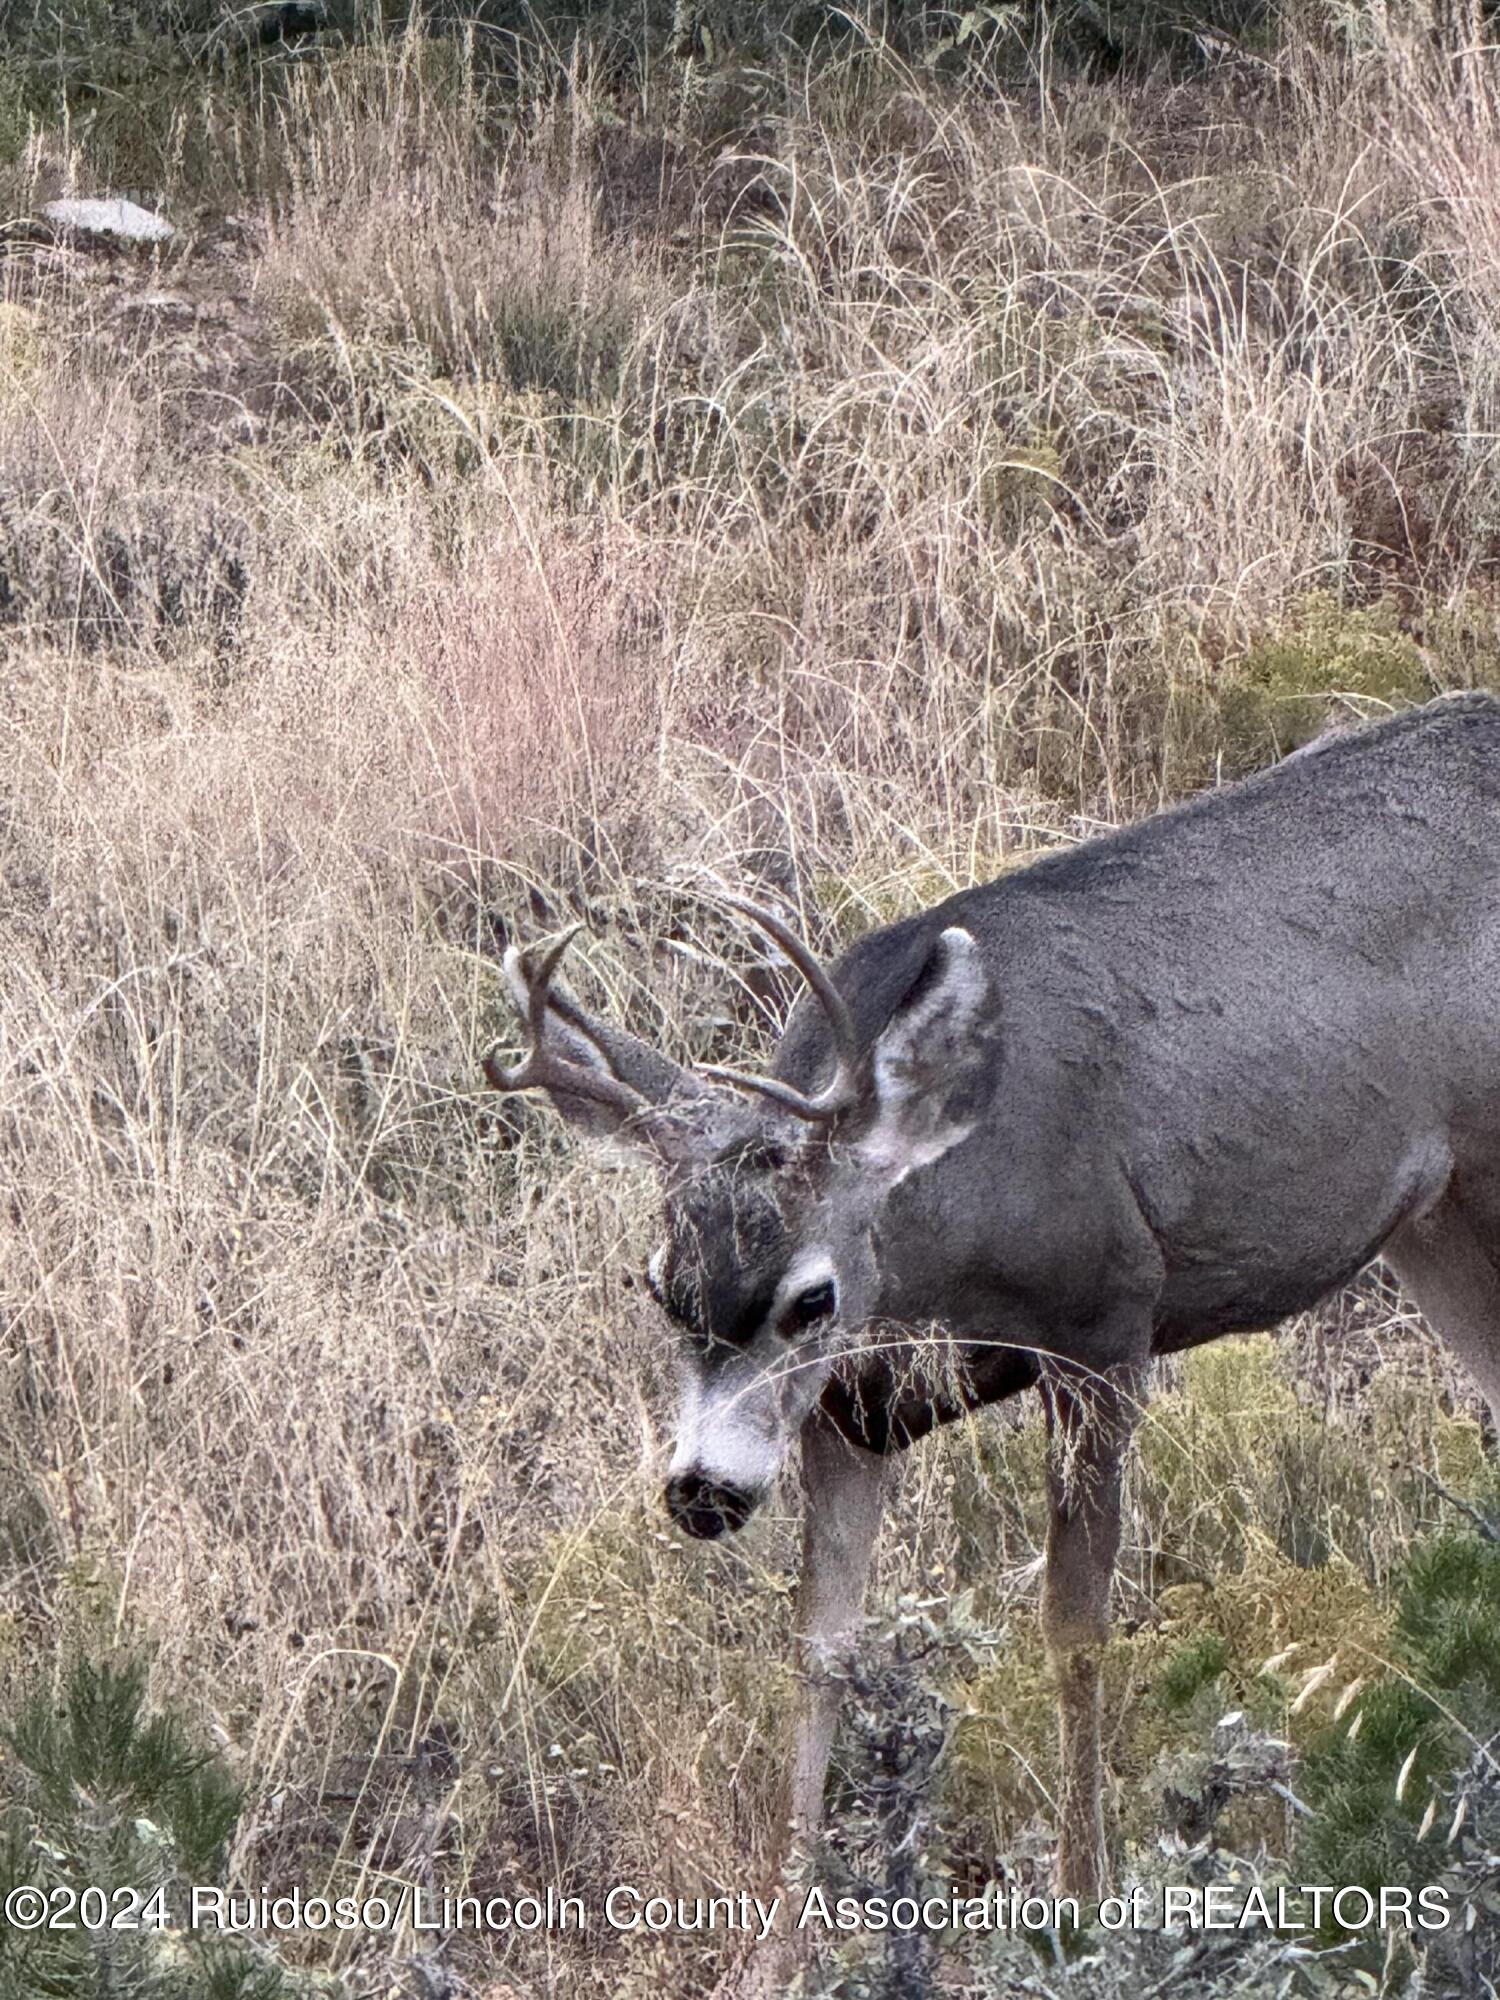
(1238, 1046)
(1174, 1083)
(1223, 1056)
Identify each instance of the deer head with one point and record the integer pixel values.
(772, 1192)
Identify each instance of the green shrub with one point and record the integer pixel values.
(1404, 1788)
(1278, 698)
(1191, 1667)
(100, 1792)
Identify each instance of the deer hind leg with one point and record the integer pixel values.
(1451, 1266)
(1090, 1425)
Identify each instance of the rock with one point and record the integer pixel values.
(119, 220)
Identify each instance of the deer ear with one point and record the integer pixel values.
(930, 1062)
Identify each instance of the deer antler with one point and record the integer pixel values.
(842, 1091)
(544, 1068)
(537, 1068)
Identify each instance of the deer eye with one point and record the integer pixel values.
(816, 1303)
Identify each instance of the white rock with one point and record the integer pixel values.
(115, 217)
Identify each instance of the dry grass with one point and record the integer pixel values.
(508, 519)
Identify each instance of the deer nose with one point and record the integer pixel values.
(705, 1508)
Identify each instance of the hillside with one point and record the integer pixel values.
(558, 464)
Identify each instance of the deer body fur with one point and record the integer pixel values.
(1177, 1082)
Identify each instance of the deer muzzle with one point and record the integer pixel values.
(706, 1508)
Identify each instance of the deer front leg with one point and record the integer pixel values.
(1089, 1429)
(843, 1488)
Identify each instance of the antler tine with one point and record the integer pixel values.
(842, 1090)
(538, 1069)
(536, 1010)
(785, 1094)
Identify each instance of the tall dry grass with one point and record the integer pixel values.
(509, 521)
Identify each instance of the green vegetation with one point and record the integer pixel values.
(111, 1813)
(1272, 1539)
(1406, 1788)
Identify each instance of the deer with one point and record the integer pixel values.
(1178, 1081)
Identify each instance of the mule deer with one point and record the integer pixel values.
(1177, 1082)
